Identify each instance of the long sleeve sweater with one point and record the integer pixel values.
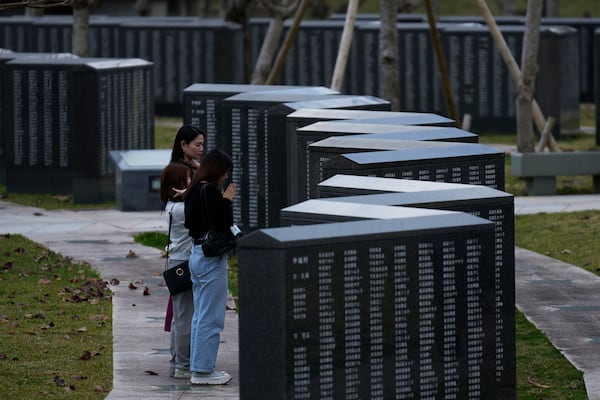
(180, 244)
(196, 217)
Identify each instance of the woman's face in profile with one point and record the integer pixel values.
(194, 149)
(223, 178)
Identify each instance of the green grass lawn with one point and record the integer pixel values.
(55, 325)
(571, 8)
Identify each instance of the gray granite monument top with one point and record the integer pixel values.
(339, 101)
(357, 210)
(233, 89)
(280, 96)
(340, 144)
(471, 193)
(140, 159)
(374, 183)
(411, 118)
(449, 150)
(93, 63)
(10, 55)
(483, 29)
(297, 236)
(424, 133)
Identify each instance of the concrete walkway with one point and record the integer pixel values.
(560, 299)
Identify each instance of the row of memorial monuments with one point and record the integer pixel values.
(60, 115)
(356, 284)
(404, 293)
(185, 50)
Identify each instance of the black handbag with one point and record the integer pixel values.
(215, 243)
(178, 278)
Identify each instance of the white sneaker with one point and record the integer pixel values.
(210, 378)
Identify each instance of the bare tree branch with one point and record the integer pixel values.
(5, 5)
(283, 8)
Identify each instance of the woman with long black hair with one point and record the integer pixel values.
(207, 207)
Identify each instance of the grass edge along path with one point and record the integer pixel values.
(55, 325)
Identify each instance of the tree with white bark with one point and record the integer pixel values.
(82, 10)
(389, 89)
(279, 11)
(526, 85)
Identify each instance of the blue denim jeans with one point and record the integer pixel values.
(209, 285)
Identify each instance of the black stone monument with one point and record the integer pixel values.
(597, 81)
(258, 150)
(311, 59)
(65, 115)
(484, 88)
(417, 69)
(481, 201)
(15, 33)
(298, 153)
(184, 51)
(585, 31)
(52, 34)
(369, 309)
(469, 163)
(203, 107)
(6, 56)
(319, 153)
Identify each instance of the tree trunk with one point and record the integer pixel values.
(82, 10)
(237, 11)
(34, 12)
(507, 7)
(142, 7)
(389, 89)
(267, 51)
(407, 6)
(526, 85)
(550, 8)
(344, 49)
(287, 42)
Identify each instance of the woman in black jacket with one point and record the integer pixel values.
(208, 207)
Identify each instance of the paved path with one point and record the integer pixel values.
(560, 299)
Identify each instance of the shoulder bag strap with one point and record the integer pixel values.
(168, 238)
(203, 192)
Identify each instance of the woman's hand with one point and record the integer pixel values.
(178, 192)
(229, 193)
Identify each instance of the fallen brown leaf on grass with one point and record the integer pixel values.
(59, 381)
(534, 382)
(44, 281)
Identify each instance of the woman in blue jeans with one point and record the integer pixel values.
(206, 207)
